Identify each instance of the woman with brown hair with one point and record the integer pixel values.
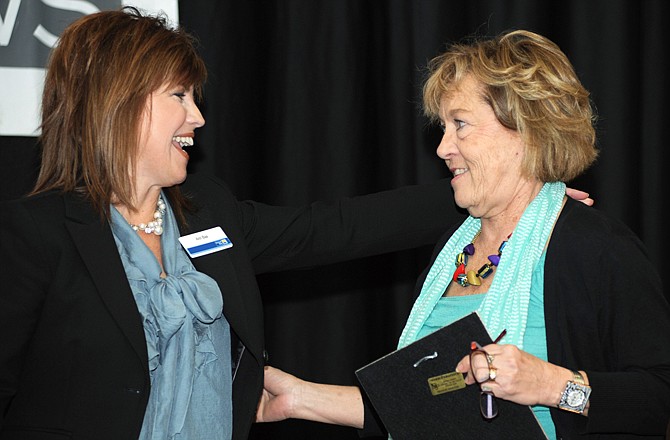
(129, 306)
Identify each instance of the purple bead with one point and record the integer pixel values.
(494, 259)
(469, 249)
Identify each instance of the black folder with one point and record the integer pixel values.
(407, 389)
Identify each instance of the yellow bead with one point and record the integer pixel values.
(473, 278)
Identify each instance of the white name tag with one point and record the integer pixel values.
(205, 242)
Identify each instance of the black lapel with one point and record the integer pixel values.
(219, 266)
(95, 242)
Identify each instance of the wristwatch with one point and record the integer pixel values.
(575, 395)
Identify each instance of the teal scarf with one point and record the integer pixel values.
(506, 303)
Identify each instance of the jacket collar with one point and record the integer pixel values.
(94, 240)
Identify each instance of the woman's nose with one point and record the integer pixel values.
(195, 117)
(445, 146)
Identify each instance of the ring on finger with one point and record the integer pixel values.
(489, 359)
(493, 373)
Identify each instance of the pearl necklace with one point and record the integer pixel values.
(472, 278)
(156, 226)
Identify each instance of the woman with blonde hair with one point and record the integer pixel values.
(587, 341)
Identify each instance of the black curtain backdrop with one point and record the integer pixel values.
(316, 99)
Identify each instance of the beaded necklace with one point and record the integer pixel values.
(156, 226)
(472, 278)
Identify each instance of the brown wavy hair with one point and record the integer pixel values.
(98, 79)
(532, 88)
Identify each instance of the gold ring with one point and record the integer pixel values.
(493, 373)
(490, 358)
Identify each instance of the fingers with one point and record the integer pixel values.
(483, 365)
(464, 367)
(483, 369)
(480, 370)
(581, 196)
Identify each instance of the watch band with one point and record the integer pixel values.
(578, 378)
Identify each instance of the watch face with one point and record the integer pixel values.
(575, 397)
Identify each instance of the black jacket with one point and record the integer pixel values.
(606, 314)
(73, 360)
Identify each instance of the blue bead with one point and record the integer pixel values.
(485, 271)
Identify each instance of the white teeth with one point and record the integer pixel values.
(183, 141)
(459, 171)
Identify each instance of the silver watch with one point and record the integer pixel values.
(575, 395)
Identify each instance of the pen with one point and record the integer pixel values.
(475, 345)
(500, 336)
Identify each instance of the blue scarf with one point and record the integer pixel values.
(184, 331)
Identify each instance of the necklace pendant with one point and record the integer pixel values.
(473, 279)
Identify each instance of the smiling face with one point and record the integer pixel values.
(168, 125)
(484, 157)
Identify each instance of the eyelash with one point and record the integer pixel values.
(457, 122)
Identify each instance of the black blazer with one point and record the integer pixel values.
(73, 360)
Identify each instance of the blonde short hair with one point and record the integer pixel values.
(532, 88)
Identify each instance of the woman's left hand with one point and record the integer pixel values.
(279, 396)
(519, 376)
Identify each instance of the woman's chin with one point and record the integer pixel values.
(460, 202)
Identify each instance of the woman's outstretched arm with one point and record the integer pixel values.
(288, 397)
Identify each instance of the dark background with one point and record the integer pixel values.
(316, 99)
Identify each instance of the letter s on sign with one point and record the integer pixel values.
(7, 25)
(49, 39)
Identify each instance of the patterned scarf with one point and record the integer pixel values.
(506, 303)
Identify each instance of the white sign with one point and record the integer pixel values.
(28, 31)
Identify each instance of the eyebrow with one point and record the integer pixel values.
(452, 112)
